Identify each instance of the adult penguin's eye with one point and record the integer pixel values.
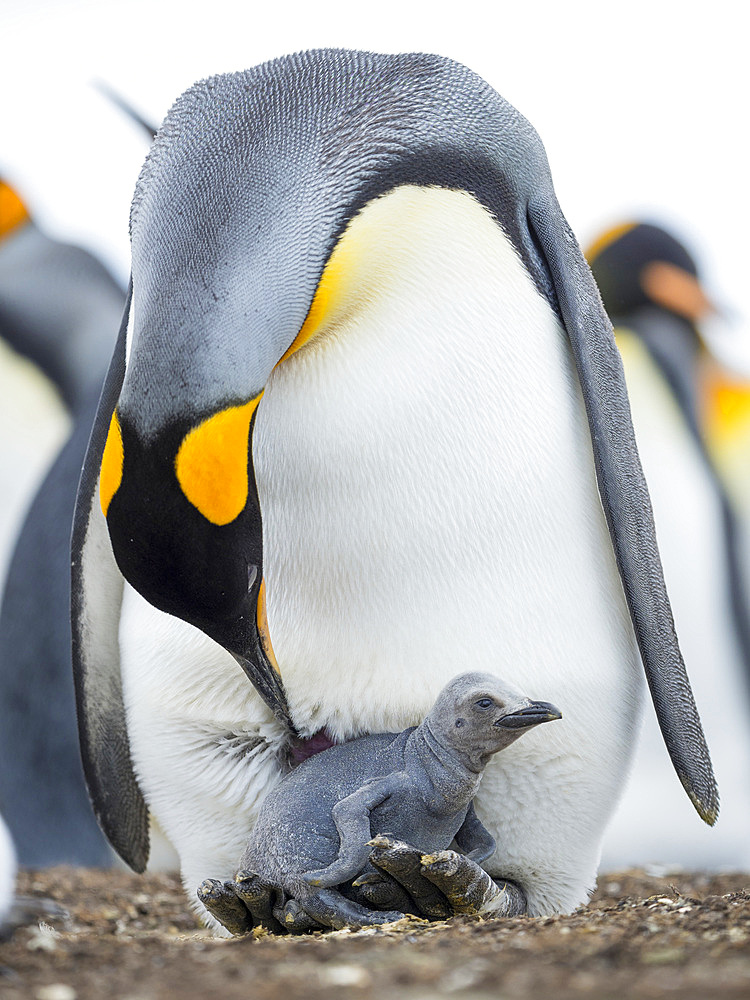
(484, 703)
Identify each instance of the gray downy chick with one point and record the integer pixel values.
(416, 786)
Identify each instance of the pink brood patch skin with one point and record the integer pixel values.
(317, 743)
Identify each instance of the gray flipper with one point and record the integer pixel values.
(474, 839)
(96, 600)
(626, 504)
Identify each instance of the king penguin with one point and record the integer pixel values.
(7, 872)
(651, 288)
(32, 415)
(349, 446)
(60, 309)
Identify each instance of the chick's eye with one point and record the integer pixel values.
(484, 703)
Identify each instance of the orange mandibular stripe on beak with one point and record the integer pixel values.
(211, 464)
(262, 620)
(111, 470)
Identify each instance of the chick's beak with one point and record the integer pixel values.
(531, 715)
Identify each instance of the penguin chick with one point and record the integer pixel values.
(417, 785)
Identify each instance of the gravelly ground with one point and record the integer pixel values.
(129, 937)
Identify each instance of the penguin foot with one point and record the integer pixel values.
(404, 864)
(379, 891)
(435, 886)
(294, 919)
(247, 902)
(446, 883)
(469, 889)
(261, 899)
(222, 902)
(333, 910)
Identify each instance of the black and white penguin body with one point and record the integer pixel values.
(346, 442)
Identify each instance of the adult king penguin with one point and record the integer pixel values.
(346, 443)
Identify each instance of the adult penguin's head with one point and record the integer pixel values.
(244, 248)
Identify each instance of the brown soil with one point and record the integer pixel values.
(134, 938)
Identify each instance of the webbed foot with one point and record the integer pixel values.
(244, 903)
(378, 891)
(331, 909)
(404, 864)
(446, 883)
(248, 902)
(294, 919)
(222, 902)
(469, 889)
(261, 900)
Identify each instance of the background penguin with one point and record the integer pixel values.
(61, 309)
(650, 287)
(372, 245)
(34, 420)
(7, 872)
(726, 415)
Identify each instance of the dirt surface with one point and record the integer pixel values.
(128, 937)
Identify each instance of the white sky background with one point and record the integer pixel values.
(642, 106)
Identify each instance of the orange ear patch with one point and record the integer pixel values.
(211, 464)
(12, 210)
(111, 471)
